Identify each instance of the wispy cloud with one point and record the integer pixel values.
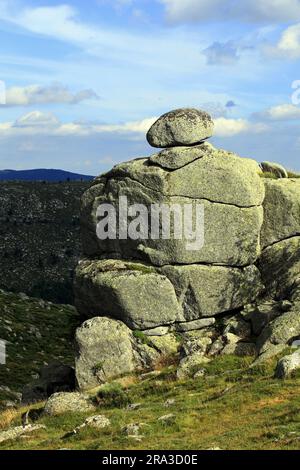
(40, 123)
(180, 11)
(282, 112)
(38, 94)
(225, 127)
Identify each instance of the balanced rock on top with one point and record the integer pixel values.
(181, 127)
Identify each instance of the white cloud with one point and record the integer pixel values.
(38, 94)
(282, 112)
(39, 123)
(36, 119)
(247, 10)
(231, 127)
(288, 45)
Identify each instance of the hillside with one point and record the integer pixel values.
(231, 407)
(40, 237)
(37, 332)
(42, 174)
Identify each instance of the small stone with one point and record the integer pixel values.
(19, 431)
(132, 430)
(230, 338)
(296, 344)
(190, 365)
(194, 345)
(134, 406)
(201, 373)
(167, 420)
(237, 326)
(195, 325)
(186, 126)
(98, 422)
(240, 349)
(61, 403)
(216, 347)
(285, 305)
(288, 365)
(170, 402)
(159, 331)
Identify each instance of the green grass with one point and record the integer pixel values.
(270, 175)
(292, 174)
(38, 332)
(142, 337)
(233, 407)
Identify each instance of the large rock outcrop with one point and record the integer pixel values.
(160, 270)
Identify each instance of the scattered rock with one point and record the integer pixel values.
(195, 325)
(170, 402)
(237, 326)
(216, 347)
(132, 429)
(167, 420)
(295, 344)
(280, 331)
(201, 373)
(288, 365)
(15, 433)
(190, 365)
(240, 349)
(167, 345)
(159, 331)
(97, 421)
(61, 403)
(134, 406)
(193, 344)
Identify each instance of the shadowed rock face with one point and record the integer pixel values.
(282, 211)
(180, 127)
(144, 297)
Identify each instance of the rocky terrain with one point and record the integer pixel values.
(40, 238)
(178, 347)
(238, 293)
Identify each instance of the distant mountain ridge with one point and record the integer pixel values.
(42, 174)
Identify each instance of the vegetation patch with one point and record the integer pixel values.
(232, 407)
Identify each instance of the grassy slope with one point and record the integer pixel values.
(257, 412)
(38, 332)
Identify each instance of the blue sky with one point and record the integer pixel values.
(85, 79)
